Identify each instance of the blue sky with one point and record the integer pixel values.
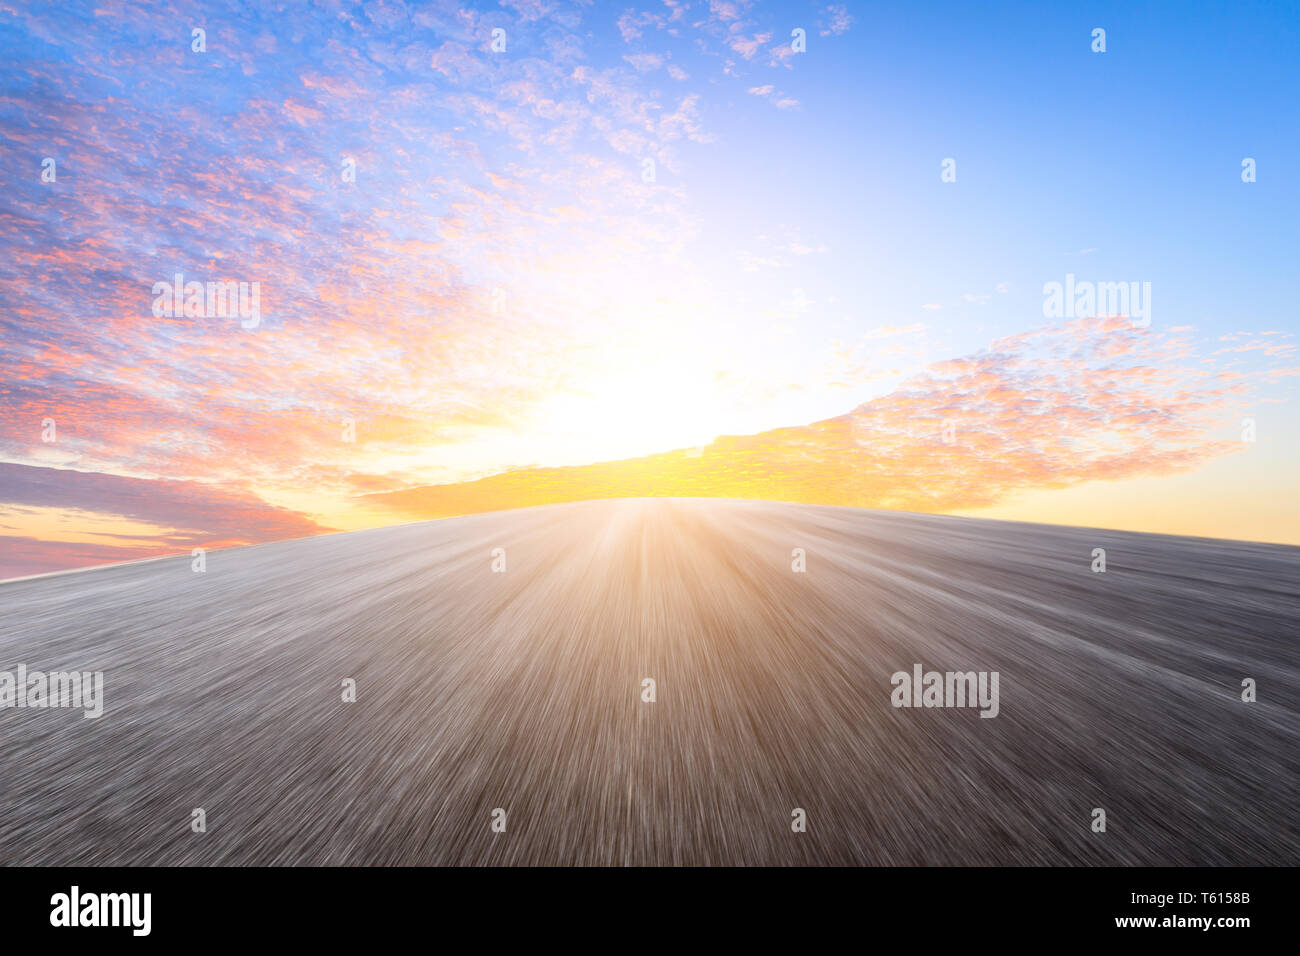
(1134, 154)
(501, 289)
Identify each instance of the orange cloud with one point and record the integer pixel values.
(1093, 399)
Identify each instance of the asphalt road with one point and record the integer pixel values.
(522, 691)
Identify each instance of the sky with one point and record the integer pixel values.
(520, 252)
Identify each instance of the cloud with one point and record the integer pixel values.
(632, 24)
(474, 171)
(889, 331)
(769, 92)
(645, 61)
(177, 516)
(190, 507)
(836, 19)
(1087, 400)
(802, 249)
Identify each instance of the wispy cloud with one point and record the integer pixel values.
(178, 516)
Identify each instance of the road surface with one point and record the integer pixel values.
(522, 690)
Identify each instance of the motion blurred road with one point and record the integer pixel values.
(522, 691)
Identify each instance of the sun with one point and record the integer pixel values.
(636, 409)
